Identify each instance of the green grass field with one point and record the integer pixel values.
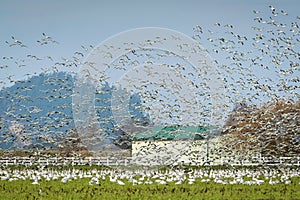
(80, 189)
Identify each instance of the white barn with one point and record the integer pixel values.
(175, 145)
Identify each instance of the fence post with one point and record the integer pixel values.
(222, 162)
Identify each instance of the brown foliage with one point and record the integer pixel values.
(273, 129)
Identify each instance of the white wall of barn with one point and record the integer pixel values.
(155, 152)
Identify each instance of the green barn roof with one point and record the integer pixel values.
(172, 133)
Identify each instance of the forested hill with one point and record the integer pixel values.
(37, 112)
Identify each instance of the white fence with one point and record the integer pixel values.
(63, 161)
(126, 161)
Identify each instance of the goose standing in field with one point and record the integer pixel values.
(35, 182)
(94, 180)
(120, 182)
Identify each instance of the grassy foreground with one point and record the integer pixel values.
(80, 189)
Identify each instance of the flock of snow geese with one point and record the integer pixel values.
(244, 176)
(255, 68)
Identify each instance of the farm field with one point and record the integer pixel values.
(188, 183)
